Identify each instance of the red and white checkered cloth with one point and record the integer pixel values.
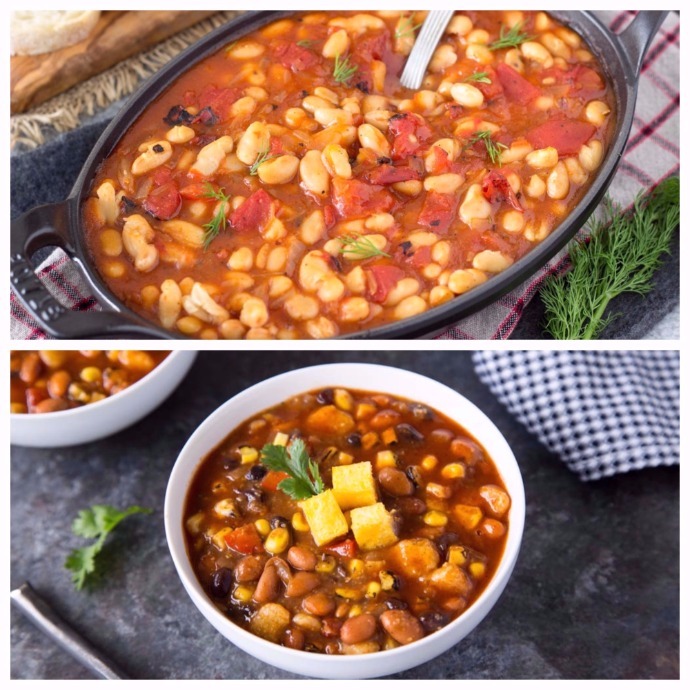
(652, 154)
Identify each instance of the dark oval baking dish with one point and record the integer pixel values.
(59, 224)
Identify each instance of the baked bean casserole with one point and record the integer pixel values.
(289, 187)
(346, 522)
(56, 380)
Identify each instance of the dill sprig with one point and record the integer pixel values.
(622, 254)
(406, 28)
(360, 247)
(493, 148)
(305, 43)
(343, 71)
(481, 77)
(219, 221)
(510, 39)
(264, 155)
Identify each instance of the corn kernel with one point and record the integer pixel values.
(435, 518)
(299, 523)
(477, 570)
(277, 541)
(326, 565)
(348, 592)
(364, 411)
(96, 396)
(429, 462)
(390, 643)
(385, 458)
(263, 527)
(281, 439)
(345, 458)
(370, 440)
(456, 555)
(438, 490)
(242, 593)
(76, 392)
(248, 455)
(355, 567)
(218, 538)
(389, 437)
(18, 408)
(342, 399)
(90, 374)
(354, 611)
(373, 589)
(388, 580)
(455, 470)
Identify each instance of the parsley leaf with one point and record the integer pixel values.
(304, 480)
(96, 522)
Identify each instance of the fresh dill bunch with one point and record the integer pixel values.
(510, 39)
(622, 254)
(360, 247)
(305, 43)
(343, 70)
(219, 221)
(493, 148)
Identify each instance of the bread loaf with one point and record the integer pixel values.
(43, 31)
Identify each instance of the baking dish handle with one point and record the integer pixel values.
(47, 226)
(638, 35)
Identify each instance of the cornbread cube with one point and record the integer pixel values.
(373, 526)
(416, 557)
(324, 517)
(354, 485)
(468, 516)
(330, 420)
(270, 622)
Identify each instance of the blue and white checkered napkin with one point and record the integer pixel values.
(603, 412)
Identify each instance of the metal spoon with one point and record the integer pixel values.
(424, 47)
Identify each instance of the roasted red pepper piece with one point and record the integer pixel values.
(353, 198)
(195, 191)
(438, 211)
(567, 136)
(515, 86)
(410, 132)
(346, 547)
(294, 57)
(389, 174)
(384, 278)
(163, 202)
(497, 189)
(254, 213)
(219, 101)
(245, 539)
(272, 479)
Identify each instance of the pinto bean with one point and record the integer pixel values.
(249, 568)
(402, 626)
(395, 482)
(358, 629)
(267, 588)
(301, 583)
(301, 558)
(50, 405)
(319, 604)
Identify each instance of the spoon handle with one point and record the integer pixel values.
(424, 47)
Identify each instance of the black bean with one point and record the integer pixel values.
(256, 472)
(325, 397)
(445, 540)
(279, 521)
(157, 148)
(230, 464)
(354, 440)
(421, 412)
(221, 583)
(177, 115)
(394, 603)
(414, 475)
(407, 433)
(433, 620)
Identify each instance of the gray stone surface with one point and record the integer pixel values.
(595, 593)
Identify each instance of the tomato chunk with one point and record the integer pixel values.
(163, 202)
(497, 189)
(346, 547)
(294, 57)
(245, 539)
(438, 211)
(353, 198)
(567, 136)
(219, 101)
(254, 213)
(410, 132)
(195, 191)
(272, 479)
(384, 279)
(515, 86)
(389, 174)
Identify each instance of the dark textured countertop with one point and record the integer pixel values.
(595, 593)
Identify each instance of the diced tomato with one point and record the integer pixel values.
(195, 190)
(275, 147)
(515, 86)
(329, 216)
(189, 98)
(245, 539)
(583, 81)
(294, 57)
(439, 161)
(410, 132)
(354, 198)
(254, 213)
(272, 479)
(438, 211)
(346, 548)
(493, 89)
(497, 189)
(219, 100)
(389, 174)
(567, 136)
(384, 279)
(163, 202)
(420, 258)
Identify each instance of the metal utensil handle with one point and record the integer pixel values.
(639, 34)
(44, 618)
(424, 47)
